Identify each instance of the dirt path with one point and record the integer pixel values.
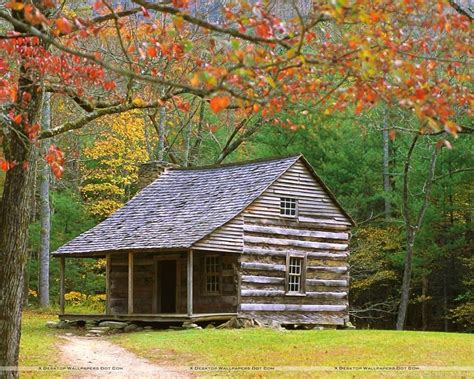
(91, 357)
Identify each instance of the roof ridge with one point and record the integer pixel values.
(231, 164)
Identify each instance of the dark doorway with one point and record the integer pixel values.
(167, 276)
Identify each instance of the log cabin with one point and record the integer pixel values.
(264, 239)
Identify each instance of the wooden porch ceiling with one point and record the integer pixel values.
(169, 317)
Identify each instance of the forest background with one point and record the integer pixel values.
(349, 152)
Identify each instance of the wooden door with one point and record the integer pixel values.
(167, 280)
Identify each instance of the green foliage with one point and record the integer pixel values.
(69, 219)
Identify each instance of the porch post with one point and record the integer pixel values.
(190, 283)
(130, 283)
(107, 284)
(62, 267)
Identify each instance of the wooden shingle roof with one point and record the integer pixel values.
(180, 208)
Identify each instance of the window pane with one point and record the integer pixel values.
(294, 274)
(288, 206)
(212, 274)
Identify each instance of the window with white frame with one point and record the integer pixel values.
(295, 275)
(288, 207)
(212, 274)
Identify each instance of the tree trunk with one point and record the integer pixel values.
(386, 174)
(412, 228)
(45, 215)
(187, 150)
(424, 296)
(161, 134)
(14, 218)
(445, 298)
(406, 282)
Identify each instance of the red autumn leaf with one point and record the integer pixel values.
(98, 4)
(63, 25)
(310, 36)
(55, 159)
(374, 16)
(180, 3)
(371, 96)
(420, 94)
(4, 165)
(17, 119)
(263, 30)
(32, 131)
(15, 5)
(151, 51)
(110, 85)
(185, 106)
(219, 103)
(26, 97)
(392, 134)
(3, 66)
(49, 3)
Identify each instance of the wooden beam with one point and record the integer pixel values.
(154, 300)
(62, 269)
(277, 293)
(282, 253)
(238, 272)
(107, 283)
(190, 283)
(262, 279)
(295, 232)
(293, 307)
(296, 243)
(263, 266)
(327, 282)
(130, 283)
(337, 270)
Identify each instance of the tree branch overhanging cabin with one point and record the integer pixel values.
(263, 239)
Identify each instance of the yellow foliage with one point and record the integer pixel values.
(97, 298)
(78, 298)
(75, 297)
(113, 161)
(100, 263)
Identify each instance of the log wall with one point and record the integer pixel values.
(320, 233)
(146, 293)
(227, 300)
(143, 282)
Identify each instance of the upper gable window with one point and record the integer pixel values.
(288, 207)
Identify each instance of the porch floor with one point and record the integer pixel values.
(162, 317)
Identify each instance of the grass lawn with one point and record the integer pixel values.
(266, 347)
(37, 346)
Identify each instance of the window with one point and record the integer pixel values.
(295, 275)
(288, 207)
(212, 274)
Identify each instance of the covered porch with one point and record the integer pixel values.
(172, 286)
